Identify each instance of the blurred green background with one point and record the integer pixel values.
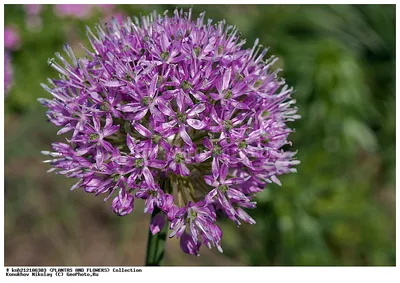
(339, 209)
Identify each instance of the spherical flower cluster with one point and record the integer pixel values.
(167, 100)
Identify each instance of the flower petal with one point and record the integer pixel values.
(157, 223)
(153, 85)
(184, 170)
(99, 156)
(96, 123)
(110, 130)
(166, 110)
(215, 168)
(196, 124)
(131, 107)
(114, 83)
(164, 42)
(184, 135)
(160, 164)
(130, 142)
(141, 114)
(188, 245)
(196, 110)
(223, 172)
(148, 176)
(226, 79)
(142, 130)
(210, 196)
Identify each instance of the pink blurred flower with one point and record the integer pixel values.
(8, 72)
(12, 39)
(106, 7)
(33, 19)
(33, 9)
(73, 10)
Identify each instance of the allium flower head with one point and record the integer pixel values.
(178, 101)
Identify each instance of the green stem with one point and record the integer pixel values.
(156, 243)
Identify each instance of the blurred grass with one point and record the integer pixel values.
(339, 209)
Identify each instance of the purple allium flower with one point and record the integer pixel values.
(8, 72)
(171, 100)
(12, 39)
(122, 203)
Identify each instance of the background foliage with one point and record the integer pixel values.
(339, 209)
